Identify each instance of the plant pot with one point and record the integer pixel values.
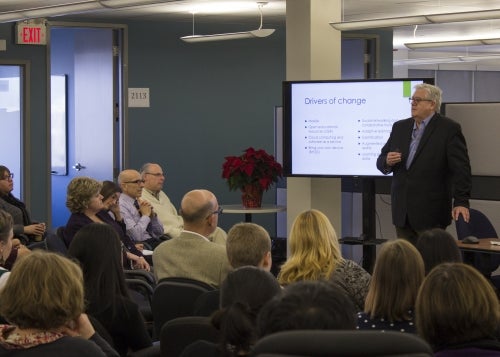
(252, 196)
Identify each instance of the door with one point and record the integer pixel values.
(86, 58)
(11, 117)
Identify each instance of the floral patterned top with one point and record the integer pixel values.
(366, 323)
(354, 280)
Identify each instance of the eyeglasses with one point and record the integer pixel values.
(8, 177)
(218, 211)
(418, 100)
(135, 181)
(158, 174)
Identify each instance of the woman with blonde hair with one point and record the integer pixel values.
(457, 312)
(315, 255)
(43, 301)
(397, 275)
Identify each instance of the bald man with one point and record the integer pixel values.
(192, 255)
(138, 214)
(154, 178)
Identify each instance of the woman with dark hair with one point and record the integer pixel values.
(242, 295)
(396, 278)
(110, 193)
(437, 246)
(457, 312)
(98, 249)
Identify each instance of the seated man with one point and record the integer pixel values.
(249, 244)
(139, 217)
(192, 255)
(154, 178)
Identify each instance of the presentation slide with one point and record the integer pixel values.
(338, 128)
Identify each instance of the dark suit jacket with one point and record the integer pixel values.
(440, 171)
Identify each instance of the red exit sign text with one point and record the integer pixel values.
(31, 33)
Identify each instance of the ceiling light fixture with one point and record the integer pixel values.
(461, 43)
(442, 60)
(416, 20)
(258, 33)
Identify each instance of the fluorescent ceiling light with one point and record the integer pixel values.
(416, 20)
(228, 36)
(442, 60)
(258, 33)
(461, 43)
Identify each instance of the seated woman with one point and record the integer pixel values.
(315, 255)
(396, 278)
(110, 193)
(84, 200)
(98, 249)
(242, 295)
(55, 325)
(25, 230)
(437, 246)
(457, 312)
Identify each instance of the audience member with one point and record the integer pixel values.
(44, 301)
(25, 230)
(84, 200)
(192, 255)
(172, 222)
(6, 234)
(110, 193)
(97, 247)
(140, 218)
(307, 305)
(438, 246)
(249, 244)
(243, 294)
(315, 255)
(8, 251)
(457, 312)
(396, 278)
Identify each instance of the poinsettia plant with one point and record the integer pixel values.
(253, 167)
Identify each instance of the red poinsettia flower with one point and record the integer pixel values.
(253, 167)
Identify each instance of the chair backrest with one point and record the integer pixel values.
(207, 303)
(178, 333)
(175, 297)
(341, 343)
(479, 226)
(54, 241)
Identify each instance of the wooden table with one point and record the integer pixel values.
(484, 246)
(266, 208)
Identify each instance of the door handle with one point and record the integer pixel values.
(78, 167)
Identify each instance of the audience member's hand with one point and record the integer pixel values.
(145, 207)
(35, 229)
(15, 242)
(141, 263)
(140, 246)
(22, 250)
(81, 326)
(115, 209)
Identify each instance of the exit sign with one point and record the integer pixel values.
(31, 32)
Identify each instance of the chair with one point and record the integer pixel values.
(175, 297)
(207, 303)
(141, 284)
(54, 241)
(178, 333)
(479, 226)
(351, 343)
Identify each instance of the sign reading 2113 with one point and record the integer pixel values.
(138, 97)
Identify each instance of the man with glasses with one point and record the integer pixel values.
(427, 155)
(138, 214)
(24, 228)
(192, 255)
(154, 178)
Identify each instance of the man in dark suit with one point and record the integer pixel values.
(427, 155)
